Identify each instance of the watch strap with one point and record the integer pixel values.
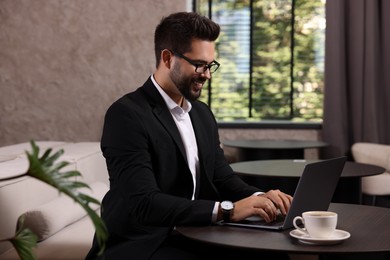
(226, 215)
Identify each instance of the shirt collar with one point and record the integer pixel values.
(172, 106)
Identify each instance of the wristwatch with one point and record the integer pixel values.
(227, 210)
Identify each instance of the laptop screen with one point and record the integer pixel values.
(314, 191)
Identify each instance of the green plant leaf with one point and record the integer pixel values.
(46, 169)
(24, 241)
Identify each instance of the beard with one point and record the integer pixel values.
(189, 86)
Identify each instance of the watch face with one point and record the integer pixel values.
(227, 205)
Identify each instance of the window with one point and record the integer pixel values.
(272, 59)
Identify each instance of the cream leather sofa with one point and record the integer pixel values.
(64, 229)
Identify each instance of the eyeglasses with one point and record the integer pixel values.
(199, 67)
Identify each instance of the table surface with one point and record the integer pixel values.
(274, 144)
(368, 225)
(294, 168)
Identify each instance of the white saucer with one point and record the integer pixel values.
(338, 237)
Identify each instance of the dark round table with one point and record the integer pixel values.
(285, 174)
(265, 149)
(368, 225)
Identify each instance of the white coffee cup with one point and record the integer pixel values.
(317, 224)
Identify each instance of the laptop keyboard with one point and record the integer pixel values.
(278, 221)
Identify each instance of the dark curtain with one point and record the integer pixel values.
(357, 75)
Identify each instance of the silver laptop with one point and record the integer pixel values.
(314, 191)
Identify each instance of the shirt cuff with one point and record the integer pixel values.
(215, 212)
(216, 206)
(258, 193)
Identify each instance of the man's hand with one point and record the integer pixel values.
(266, 205)
(280, 199)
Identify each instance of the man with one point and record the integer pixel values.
(164, 158)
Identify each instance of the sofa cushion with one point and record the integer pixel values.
(21, 148)
(88, 159)
(53, 216)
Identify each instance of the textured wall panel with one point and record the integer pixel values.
(62, 63)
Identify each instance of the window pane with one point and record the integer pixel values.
(272, 59)
(230, 84)
(309, 56)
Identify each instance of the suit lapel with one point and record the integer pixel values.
(199, 132)
(163, 114)
(202, 179)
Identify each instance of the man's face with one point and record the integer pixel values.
(183, 74)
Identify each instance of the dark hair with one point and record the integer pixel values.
(176, 32)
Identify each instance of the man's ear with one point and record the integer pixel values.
(166, 58)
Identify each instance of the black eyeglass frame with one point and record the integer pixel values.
(212, 66)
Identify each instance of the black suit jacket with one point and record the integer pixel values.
(150, 182)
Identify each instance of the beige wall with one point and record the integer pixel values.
(62, 63)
